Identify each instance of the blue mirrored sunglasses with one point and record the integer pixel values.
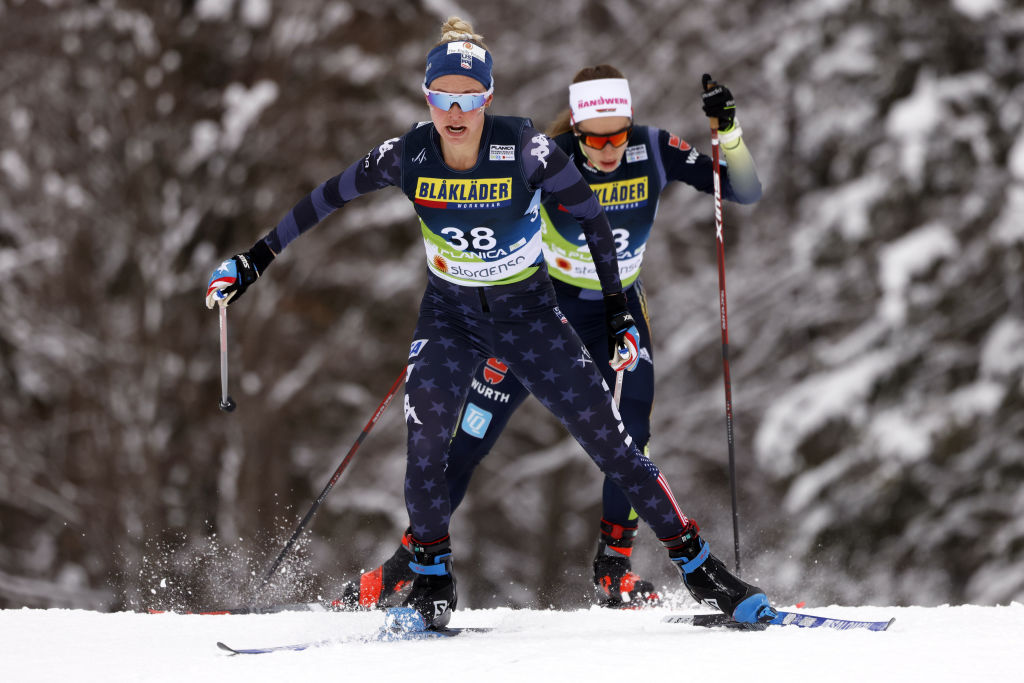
(466, 101)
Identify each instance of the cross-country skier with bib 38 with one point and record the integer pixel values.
(628, 166)
(475, 181)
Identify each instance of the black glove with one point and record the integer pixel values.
(718, 103)
(622, 333)
(235, 274)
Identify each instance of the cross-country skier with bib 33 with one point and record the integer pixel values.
(628, 166)
(475, 181)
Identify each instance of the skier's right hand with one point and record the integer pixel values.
(235, 274)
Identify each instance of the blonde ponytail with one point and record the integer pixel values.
(457, 28)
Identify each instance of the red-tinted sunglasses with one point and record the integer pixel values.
(616, 139)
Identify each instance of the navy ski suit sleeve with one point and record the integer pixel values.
(549, 168)
(685, 164)
(380, 168)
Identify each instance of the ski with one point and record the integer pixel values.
(783, 619)
(402, 623)
(276, 648)
(384, 635)
(711, 620)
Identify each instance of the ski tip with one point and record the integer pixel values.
(797, 619)
(226, 648)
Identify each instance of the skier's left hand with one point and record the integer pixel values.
(623, 336)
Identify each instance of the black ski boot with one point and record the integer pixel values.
(378, 587)
(615, 585)
(433, 590)
(709, 582)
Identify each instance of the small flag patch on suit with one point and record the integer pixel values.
(503, 153)
(636, 153)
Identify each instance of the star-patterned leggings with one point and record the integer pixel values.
(495, 394)
(458, 329)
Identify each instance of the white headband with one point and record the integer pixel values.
(603, 97)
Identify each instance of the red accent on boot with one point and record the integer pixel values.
(371, 584)
(625, 552)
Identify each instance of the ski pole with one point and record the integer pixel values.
(334, 479)
(719, 238)
(623, 353)
(227, 404)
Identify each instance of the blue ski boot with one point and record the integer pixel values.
(433, 590)
(709, 582)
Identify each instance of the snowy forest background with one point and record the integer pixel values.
(875, 308)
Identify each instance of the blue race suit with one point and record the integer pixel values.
(489, 295)
(630, 196)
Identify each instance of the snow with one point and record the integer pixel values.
(915, 121)
(15, 169)
(804, 409)
(133, 140)
(1008, 229)
(243, 106)
(935, 644)
(1015, 161)
(256, 13)
(1002, 352)
(912, 120)
(214, 10)
(977, 9)
(910, 255)
(853, 55)
(842, 208)
(902, 436)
